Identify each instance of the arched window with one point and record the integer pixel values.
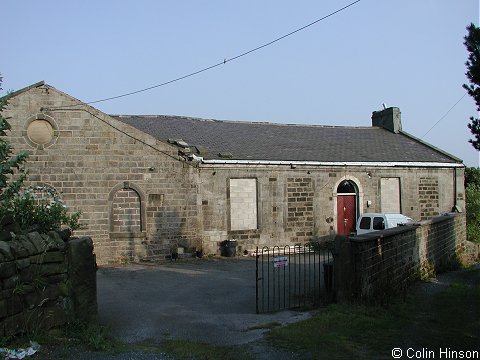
(126, 209)
(346, 187)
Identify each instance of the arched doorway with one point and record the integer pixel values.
(347, 193)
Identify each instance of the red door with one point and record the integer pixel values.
(346, 214)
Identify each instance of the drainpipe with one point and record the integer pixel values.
(455, 189)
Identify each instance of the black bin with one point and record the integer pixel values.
(228, 248)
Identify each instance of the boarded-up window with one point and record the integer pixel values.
(243, 204)
(390, 195)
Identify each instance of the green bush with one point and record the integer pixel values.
(473, 213)
(42, 208)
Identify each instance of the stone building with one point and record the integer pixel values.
(145, 184)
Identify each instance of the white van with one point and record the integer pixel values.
(376, 221)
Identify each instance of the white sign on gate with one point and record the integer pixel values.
(280, 261)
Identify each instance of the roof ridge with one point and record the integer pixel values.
(177, 117)
(24, 89)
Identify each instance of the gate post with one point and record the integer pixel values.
(344, 268)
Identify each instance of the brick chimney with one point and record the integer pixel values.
(389, 118)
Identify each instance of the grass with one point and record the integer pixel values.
(346, 330)
(73, 338)
(186, 349)
(451, 318)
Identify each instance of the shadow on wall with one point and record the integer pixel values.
(167, 236)
(443, 244)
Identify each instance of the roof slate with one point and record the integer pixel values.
(267, 141)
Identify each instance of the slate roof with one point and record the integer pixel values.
(268, 141)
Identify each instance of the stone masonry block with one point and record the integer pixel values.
(37, 240)
(5, 250)
(5, 294)
(7, 269)
(3, 308)
(18, 250)
(53, 257)
(14, 305)
(57, 240)
(32, 250)
(22, 263)
(53, 268)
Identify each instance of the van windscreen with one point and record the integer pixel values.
(378, 223)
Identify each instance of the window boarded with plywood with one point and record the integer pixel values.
(390, 195)
(243, 204)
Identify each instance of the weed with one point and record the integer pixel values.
(268, 325)
(427, 271)
(93, 336)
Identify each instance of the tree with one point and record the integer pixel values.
(12, 173)
(472, 43)
(472, 195)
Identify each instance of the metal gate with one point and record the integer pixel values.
(293, 276)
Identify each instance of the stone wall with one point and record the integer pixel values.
(377, 265)
(298, 205)
(45, 282)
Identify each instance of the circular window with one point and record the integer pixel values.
(40, 132)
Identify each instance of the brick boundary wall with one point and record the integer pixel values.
(377, 265)
(45, 282)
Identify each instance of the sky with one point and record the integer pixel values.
(404, 53)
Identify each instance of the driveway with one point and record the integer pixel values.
(207, 300)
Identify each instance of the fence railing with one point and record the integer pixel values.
(293, 276)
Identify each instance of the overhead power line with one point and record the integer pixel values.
(444, 116)
(226, 60)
